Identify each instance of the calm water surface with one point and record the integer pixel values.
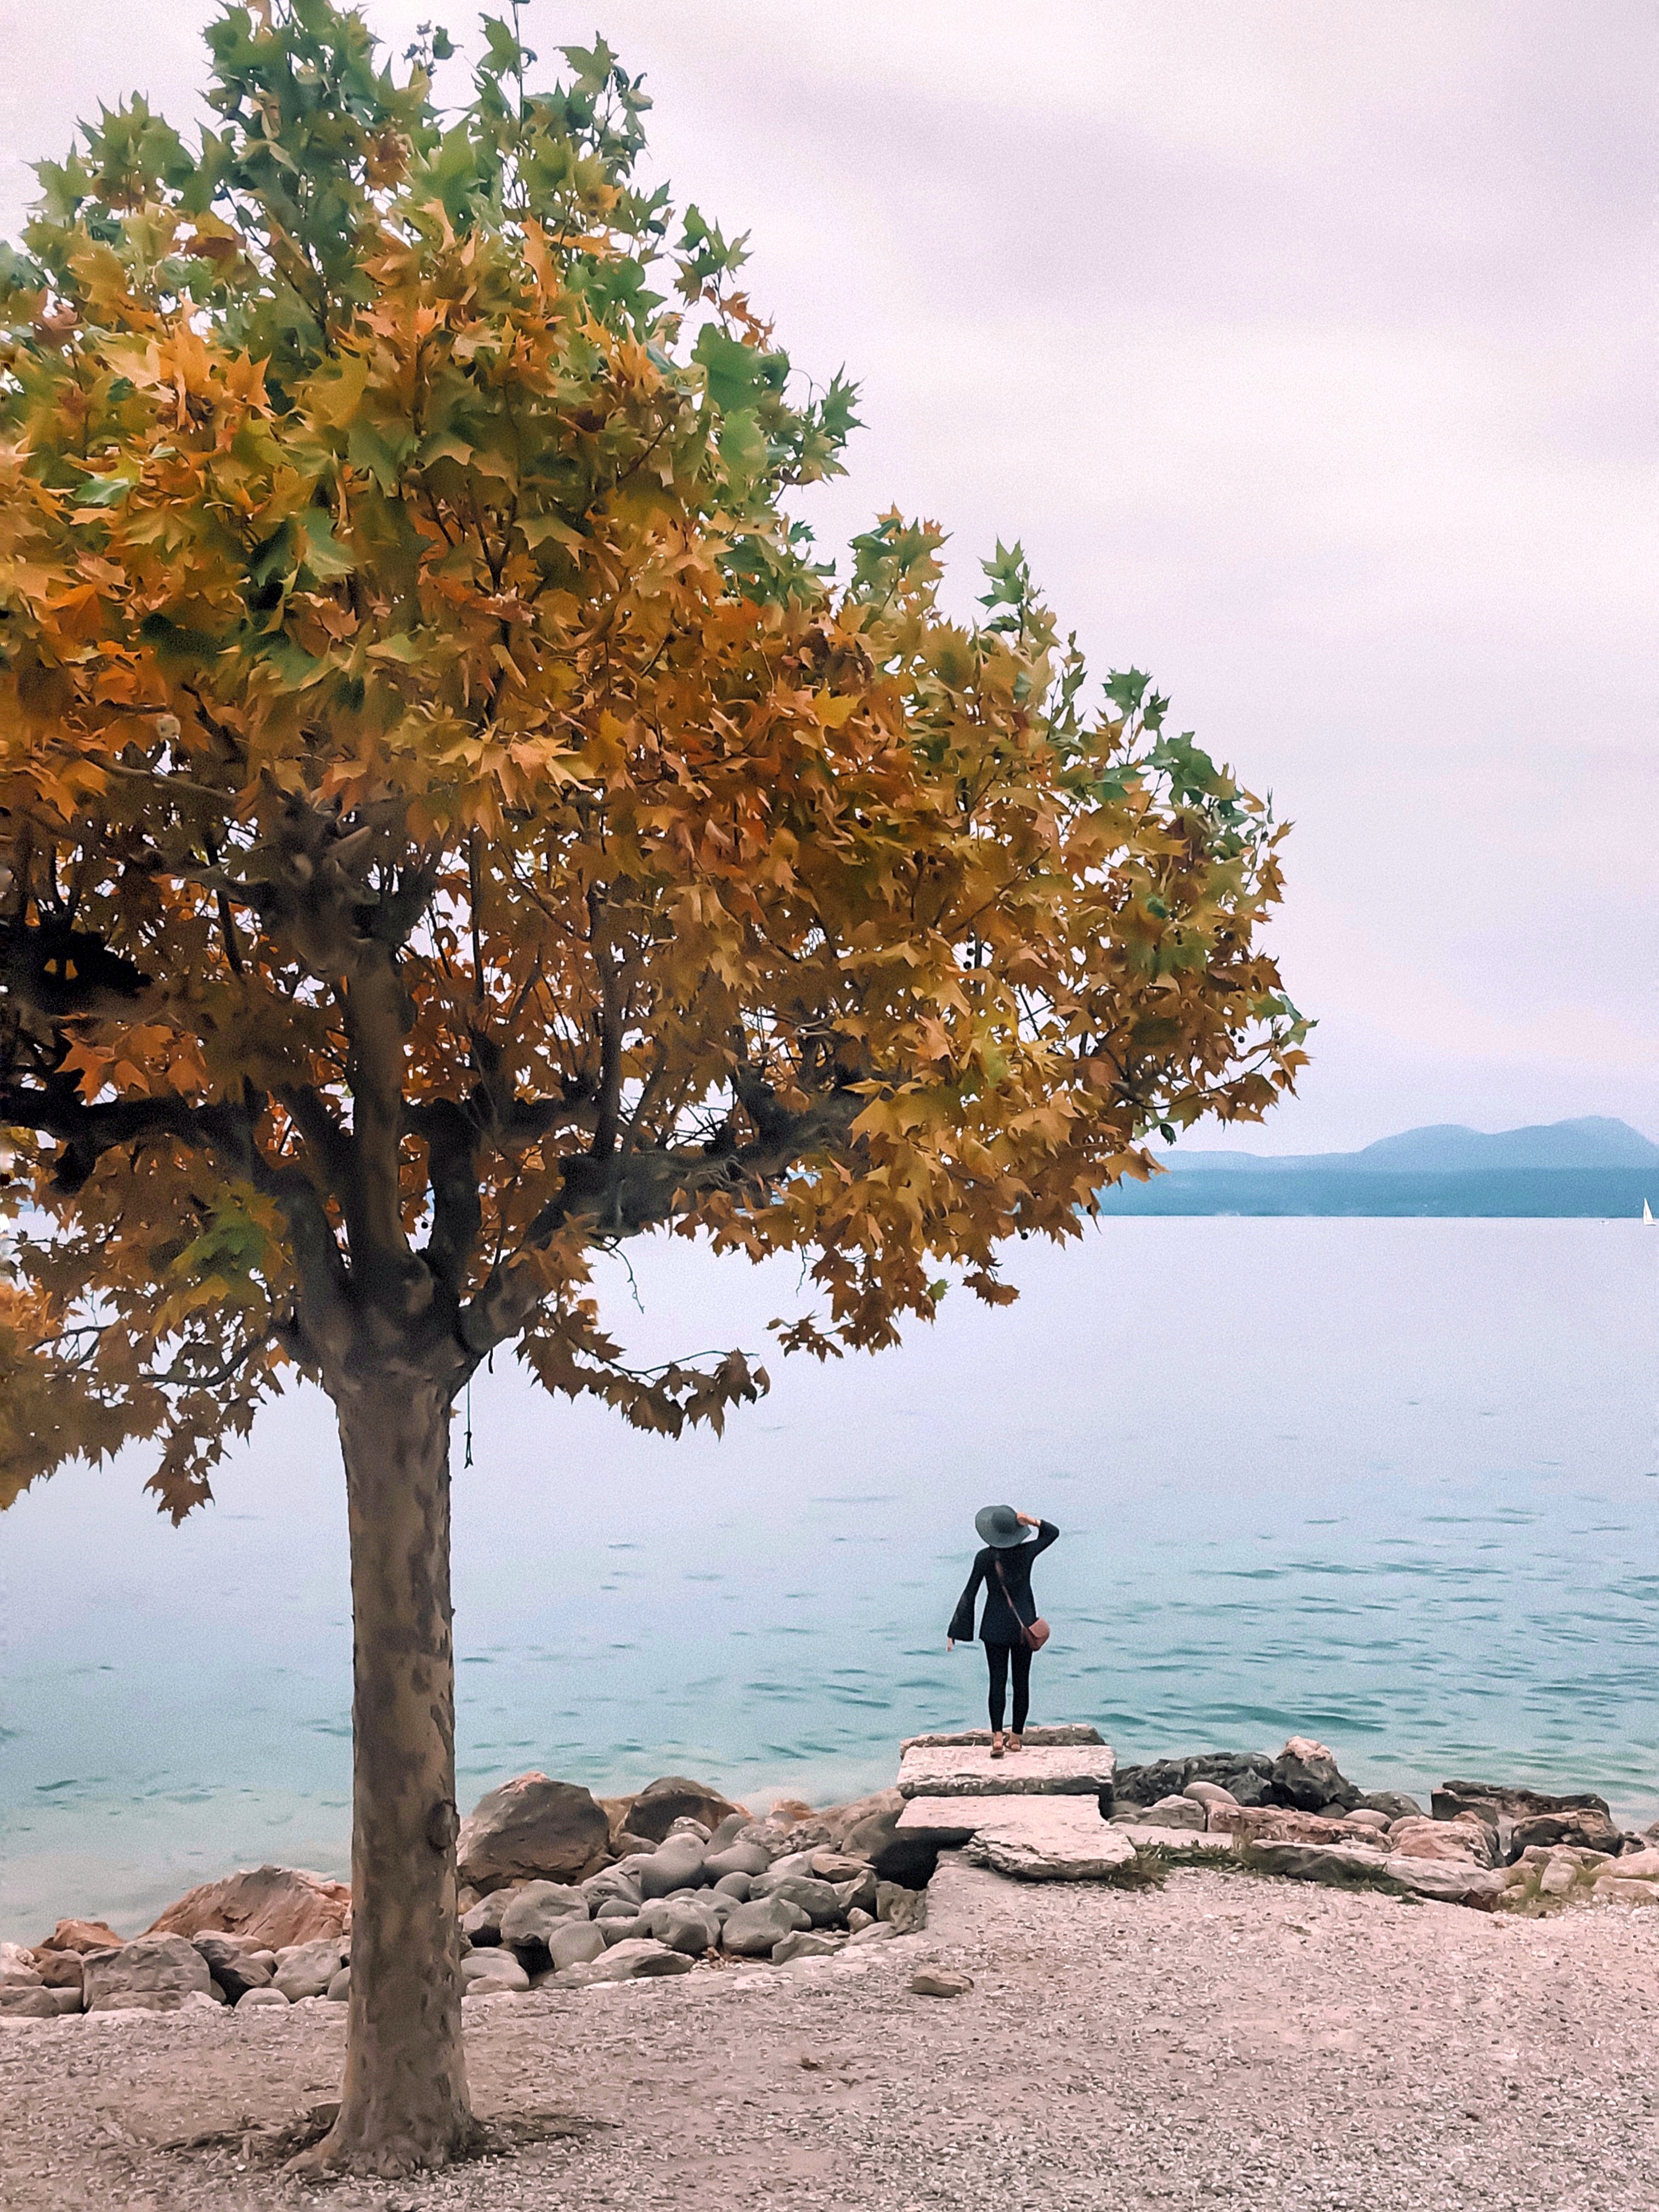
(1389, 1482)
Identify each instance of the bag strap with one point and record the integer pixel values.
(1008, 1597)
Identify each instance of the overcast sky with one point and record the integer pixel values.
(1307, 349)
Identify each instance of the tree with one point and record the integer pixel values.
(451, 822)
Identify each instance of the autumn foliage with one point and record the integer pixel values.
(451, 817)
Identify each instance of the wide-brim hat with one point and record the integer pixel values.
(1000, 1525)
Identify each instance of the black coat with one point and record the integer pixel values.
(1000, 1625)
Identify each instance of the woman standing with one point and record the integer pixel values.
(1005, 1568)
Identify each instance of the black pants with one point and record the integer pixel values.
(997, 1657)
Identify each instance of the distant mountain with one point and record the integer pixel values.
(1595, 1141)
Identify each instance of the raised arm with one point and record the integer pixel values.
(1046, 1530)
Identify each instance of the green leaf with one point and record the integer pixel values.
(325, 556)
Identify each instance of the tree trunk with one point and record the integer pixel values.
(404, 2104)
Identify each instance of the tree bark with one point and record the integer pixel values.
(404, 2104)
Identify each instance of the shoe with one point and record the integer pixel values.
(1015, 1744)
(996, 1747)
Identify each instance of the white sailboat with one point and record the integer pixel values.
(1647, 1215)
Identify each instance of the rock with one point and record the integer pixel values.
(1281, 1824)
(1392, 1803)
(1081, 1770)
(154, 1973)
(1632, 1866)
(532, 1827)
(684, 1826)
(1324, 1862)
(262, 2000)
(21, 2001)
(817, 1899)
(536, 1911)
(59, 1970)
(1173, 1812)
(684, 1923)
(1465, 1837)
(1558, 1878)
(1305, 1775)
(1367, 1817)
(677, 1865)
(232, 1964)
(863, 1825)
(574, 1942)
(879, 1931)
(736, 1858)
(802, 1944)
(855, 1896)
(620, 1931)
(641, 1960)
(1050, 1839)
(483, 1972)
(1587, 1828)
(904, 1911)
(725, 1832)
(17, 1968)
(1208, 1793)
(304, 1969)
(69, 1999)
(1245, 1774)
(671, 1798)
(81, 1936)
(615, 1909)
(1451, 1881)
(1496, 1802)
(339, 1990)
(939, 1982)
(616, 1811)
(752, 1932)
(1616, 1890)
(858, 1919)
(837, 1866)
(734, 1886)
(275, 1907)
(609, 1884)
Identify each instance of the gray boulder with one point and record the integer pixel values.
(726, 1831)
(24, 2001)
(1246, 1774)
(736, 1858)
(1209, 1792)
(532, 1828)
(819, 1900)
(19, 1968)
(684, 1923)
(903, 1911)
(1178, 1812)
(1333, 1864)
(617, 1908)
(677, 1865)
(155, 1973)
(339, 1990)
(753, 1930)
(802, 1944)
(262, 2000)
(1447, 1880)
(878, 1931)
(304, 1969)
(574, 1943)
(858, 1895)
(640, 1960)
(232, 1964)
(620, 1931)
(1393, 1804)
(536, 1910)
(611, 1887)
(1306, 1776)
(734, 1886)
(484, 1972)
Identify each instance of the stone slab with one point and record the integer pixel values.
(1050, 1839)
(1070, 1732)
(1040, 1770)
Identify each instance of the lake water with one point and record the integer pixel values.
(1390, 1482)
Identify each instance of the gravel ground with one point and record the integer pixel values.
(1225, 2040)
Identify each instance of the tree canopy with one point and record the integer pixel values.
(452, 817)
